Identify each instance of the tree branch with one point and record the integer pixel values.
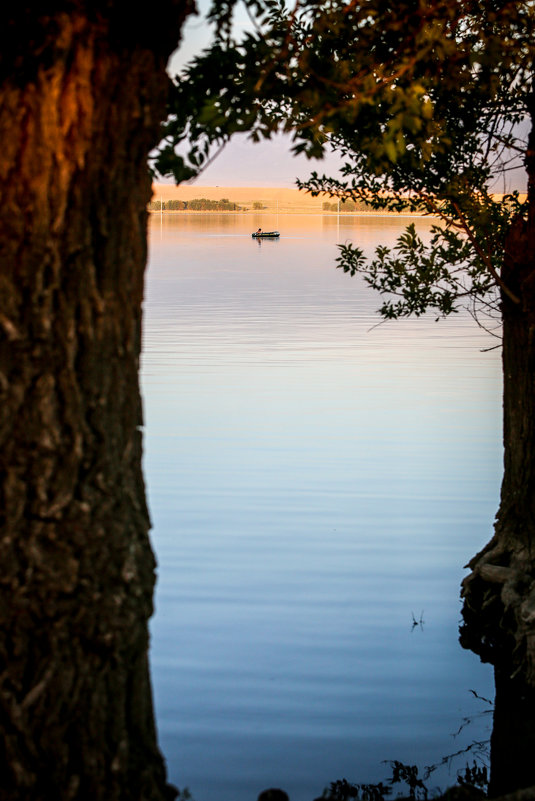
(485, 256)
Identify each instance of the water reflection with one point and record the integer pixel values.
(314, 482)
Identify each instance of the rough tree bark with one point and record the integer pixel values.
(83, 89)
(499, 593)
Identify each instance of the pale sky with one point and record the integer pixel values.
(242, 162)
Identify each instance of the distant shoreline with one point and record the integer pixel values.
(317, 213)
(267, 200)
(250, 199)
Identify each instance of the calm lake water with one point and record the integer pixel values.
(315, 483)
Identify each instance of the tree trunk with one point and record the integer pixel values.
(499, 594)
(83, 91)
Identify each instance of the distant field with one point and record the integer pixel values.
(250, 199)
(270, 199)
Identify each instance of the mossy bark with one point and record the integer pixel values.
(83, 88)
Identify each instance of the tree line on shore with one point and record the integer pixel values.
(204, 204)
(347, 205)
(224, 204)
(197, 204)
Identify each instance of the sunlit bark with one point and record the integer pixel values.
(83, 90)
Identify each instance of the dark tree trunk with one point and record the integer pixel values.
(83, 89)
(499, 594)
(513, 733)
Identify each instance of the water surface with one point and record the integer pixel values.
(315, 484)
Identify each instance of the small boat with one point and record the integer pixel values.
(266, 235)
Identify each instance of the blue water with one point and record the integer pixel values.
(316, 483)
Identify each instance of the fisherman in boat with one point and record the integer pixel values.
(259, 232)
